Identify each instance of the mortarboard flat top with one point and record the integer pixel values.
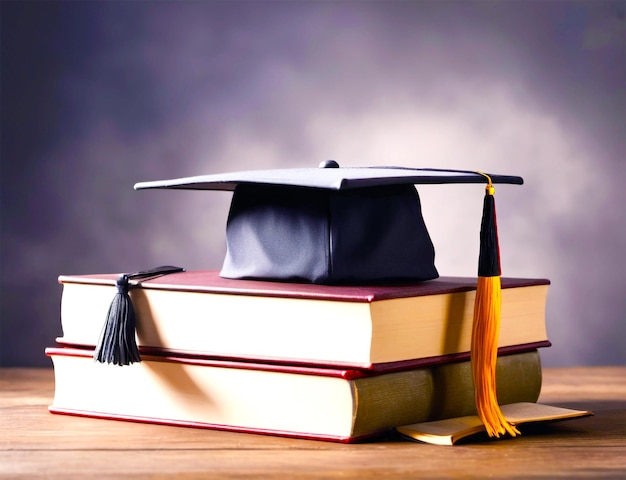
(332, 178)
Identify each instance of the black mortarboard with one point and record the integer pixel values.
(354, 225)
(327, 225)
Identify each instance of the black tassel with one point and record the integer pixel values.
(117, 344)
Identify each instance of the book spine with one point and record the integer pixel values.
(442, 391)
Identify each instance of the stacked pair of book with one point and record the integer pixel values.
(301, 360)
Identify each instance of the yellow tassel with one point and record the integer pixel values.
(485, 332)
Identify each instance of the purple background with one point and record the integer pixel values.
(99, 95)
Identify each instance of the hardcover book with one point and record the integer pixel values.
(199, 312)
(332, 404)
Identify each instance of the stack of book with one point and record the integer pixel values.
(301, 360)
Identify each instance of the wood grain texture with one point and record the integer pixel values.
(37, 444)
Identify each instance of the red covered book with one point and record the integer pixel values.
(334, 404)
(367, 327)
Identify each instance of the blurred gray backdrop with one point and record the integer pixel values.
(98, 95)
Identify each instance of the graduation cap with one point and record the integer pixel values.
(327, 225)
(355, 225)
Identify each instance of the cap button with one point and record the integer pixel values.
(329, 164)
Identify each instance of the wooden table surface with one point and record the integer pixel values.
(37, 444)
